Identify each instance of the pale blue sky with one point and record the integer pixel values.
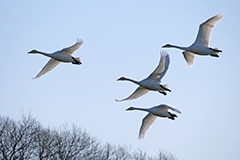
(123, 38)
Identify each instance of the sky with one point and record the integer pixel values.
(124, 38)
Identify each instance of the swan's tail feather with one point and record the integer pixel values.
(78, 59)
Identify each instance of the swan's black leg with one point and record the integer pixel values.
(172, 116)
(214, 55)
(165, 88)
(215, 50)
(162, 92)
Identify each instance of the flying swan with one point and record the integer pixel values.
(201, 44)
(64, 55)
(154, 113)
(152, 82)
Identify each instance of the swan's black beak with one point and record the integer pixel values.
(119, 79)
(129, 109)
(166, 45)
(33, 51)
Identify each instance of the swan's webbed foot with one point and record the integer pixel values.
(162, 92)
(172, 118)
(76, 61)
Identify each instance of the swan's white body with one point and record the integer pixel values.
(201, 44)
(152, 82)
(64, 55)
(154, 113)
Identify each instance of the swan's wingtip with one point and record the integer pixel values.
(140, 137)
(178, 111)
(190, 65)
(79, 40)
(117, 100)
(220, 15)
(173, 108)
(163, 53)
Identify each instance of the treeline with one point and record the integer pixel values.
(27, 139)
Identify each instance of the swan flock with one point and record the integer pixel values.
(153, 81)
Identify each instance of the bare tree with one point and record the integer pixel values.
(27, 139)
(75, 144)
(112, 152)
(165, 156)
(140, 155)
(45, 144)
(17, 138)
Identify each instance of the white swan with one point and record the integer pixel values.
(151, 83)
(201, 44)
(64, 55)
(154, 113)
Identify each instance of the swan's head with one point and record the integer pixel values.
(167, 45)
(33, 51)
(121, 79)
(130, 108)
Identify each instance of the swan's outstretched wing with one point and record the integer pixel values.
(167, 107)
(205, 30)
(48, 67)
(146, 123)
(189, 57)
(72, 48)
(161, 69)
(140, 91)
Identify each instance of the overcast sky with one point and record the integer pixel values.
(124, 38)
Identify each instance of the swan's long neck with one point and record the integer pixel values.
(131, 80)
(45, 54)
(179, 47)
(140, 109)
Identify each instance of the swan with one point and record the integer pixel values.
(151, 83)
(201, 44)
(154, 113)
(64, 55)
